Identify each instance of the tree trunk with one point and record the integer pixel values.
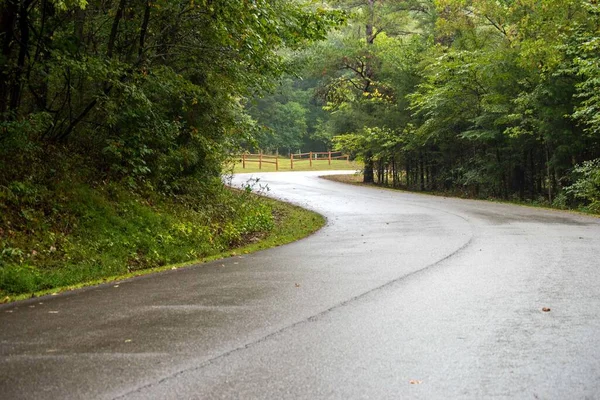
(144, 31)
(394, 173)
(368, 175)
(369, 28)
(550, 179)
(8, 17)
(115, 29)
(407, 167)
(422, 172)
(17, 84)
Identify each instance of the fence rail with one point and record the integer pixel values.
(261, 159)
(317, 155)
(311, 157)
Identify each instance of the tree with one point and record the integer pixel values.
(150, 92)
(354, 84)
(488, 98)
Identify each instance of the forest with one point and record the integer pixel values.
(118, 116)
(488, 98)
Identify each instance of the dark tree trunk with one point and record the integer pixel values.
(115, 29)
(144, 31)
(17, 84)
(532, 175)
(368, 175)
(428, 174)
(8, 17)
(79, 25)
(407, 171)
(369, 28)
(422, 172)
(550, 180)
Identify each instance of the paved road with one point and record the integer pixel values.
(400, 296)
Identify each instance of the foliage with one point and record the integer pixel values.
(286, 118)
(115, 119)
(484, 98)
(107, 231)
(138, 89)
(586, 184)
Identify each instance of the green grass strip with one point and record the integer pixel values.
(291, 223)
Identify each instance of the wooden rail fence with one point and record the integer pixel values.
(311, 156)
(261, 159)
(317, 155)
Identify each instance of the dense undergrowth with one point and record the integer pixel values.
(586, 190)
(65, 234)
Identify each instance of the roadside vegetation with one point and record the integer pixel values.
(105, 233)
(358, 180)
(115, 120)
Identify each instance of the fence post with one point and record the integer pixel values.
(348, 159)
(291, 160)
(329, 157)
(310, 158)
(260, 160)
(243, 160)
(277, 161)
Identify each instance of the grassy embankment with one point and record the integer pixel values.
(76, 235)
(65, 236)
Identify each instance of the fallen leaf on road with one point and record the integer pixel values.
(545, 309)
(116, 286)
(52, 312)
(415, 382)
(128, 340)
(297, 285)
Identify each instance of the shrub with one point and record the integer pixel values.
(586, 186)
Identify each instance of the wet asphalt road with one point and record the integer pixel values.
(400, 296)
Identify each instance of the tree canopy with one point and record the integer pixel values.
(487, 98)
(492, 98)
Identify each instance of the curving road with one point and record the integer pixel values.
(400, 296)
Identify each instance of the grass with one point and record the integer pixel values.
(304, 165)
(96, 235)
